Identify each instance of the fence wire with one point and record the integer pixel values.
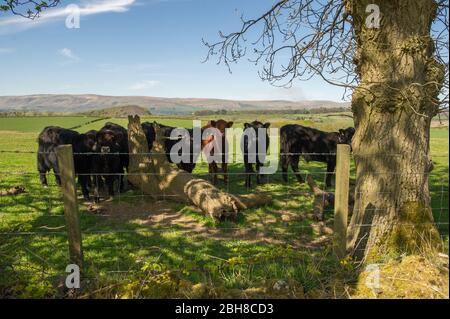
(133, 232)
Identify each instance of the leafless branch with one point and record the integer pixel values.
(299, 39)
(29, 9)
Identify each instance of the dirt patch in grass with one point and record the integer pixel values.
(167, 216)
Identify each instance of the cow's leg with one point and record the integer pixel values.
(259, 177)
(284, 167)
(213, 170)
(97, 179)
(248, 175)
(89, 181)
(295, 159)
(121, 181)
(83, 181)
(110, 184)
(42, 169)
(44, 164)
(225, 173)
(57, 175)
(331, 165)
(43, 178)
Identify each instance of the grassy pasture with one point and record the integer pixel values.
(135, 237)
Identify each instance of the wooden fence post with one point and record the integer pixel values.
(341, 199)
(71, 213)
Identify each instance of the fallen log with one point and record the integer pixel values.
(155, 176)
(322, 199)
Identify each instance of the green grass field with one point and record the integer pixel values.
(176, 249)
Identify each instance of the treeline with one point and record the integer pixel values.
(320, 110)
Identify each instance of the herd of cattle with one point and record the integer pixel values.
(101, 157)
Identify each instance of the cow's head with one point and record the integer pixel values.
(107, 141)
(256, 125)
(221, 125)
(89, 140)
(346, 136)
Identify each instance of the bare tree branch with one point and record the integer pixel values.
(27, 8)
(300, 39)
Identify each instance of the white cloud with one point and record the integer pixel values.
(144, 85)
(89, 7)
(68, 53)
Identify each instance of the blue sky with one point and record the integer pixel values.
(136, 47)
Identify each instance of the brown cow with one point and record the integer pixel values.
(207, 146)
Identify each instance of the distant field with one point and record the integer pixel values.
(276, 242)
(36, 124)
(327, 122)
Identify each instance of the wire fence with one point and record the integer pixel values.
(133, 232)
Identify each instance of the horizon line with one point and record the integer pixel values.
(165, 97)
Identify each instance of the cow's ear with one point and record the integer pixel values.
(266, 125)
(212, 123)
(246, 125)
(230, 124)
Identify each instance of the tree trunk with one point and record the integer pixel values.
(393, 107)
(156, 177)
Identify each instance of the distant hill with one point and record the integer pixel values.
(119, 111)
(157, 105)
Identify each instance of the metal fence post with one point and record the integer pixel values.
(341, 199)
(71, 213)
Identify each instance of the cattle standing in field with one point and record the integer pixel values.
(252, 141)
(312, 145)
(110, 157)
(209, 148)
(169, 143)
(52, 137)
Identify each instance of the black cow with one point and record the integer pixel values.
(122, 141)
(52, 137)
(251, 141)
(297, 140)
(166, 131)
(110, 157)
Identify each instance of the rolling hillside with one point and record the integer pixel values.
(157, 105)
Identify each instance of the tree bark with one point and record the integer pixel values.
(156, 177)
(393, 108)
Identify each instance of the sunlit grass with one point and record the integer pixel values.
(33, 241)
